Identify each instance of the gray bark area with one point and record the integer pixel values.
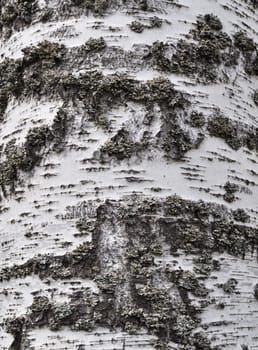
(128, 174)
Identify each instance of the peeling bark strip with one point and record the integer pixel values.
(128, 174)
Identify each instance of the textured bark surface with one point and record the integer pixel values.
(128, 174)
